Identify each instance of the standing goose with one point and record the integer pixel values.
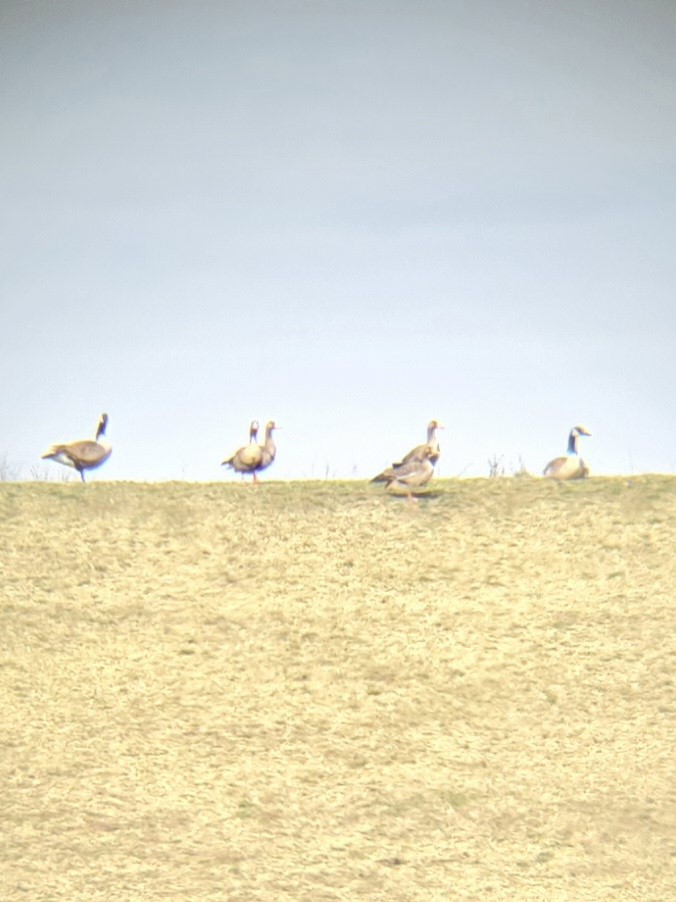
(409, 475)
(87, 454)
(268, 449)
(571, 466)
(432, 442)
(248, 458)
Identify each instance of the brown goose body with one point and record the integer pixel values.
(571, 465)
(86, 454)
(409, 475)
(248, 458)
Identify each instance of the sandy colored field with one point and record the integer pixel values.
(312, 691)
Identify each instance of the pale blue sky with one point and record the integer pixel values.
(349, 217)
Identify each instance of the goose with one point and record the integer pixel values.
(268, 449)
(571, 466)
(248, 458)
(87, 454)
(409, 475)
(432, 442)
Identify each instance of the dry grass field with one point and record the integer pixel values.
(313, 691)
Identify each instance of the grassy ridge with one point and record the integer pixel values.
(315, 691)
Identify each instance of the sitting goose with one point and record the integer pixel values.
(248, 458)
(268, 449)
(571, 466)
(409, 475)
(432, 442)
(86, 454)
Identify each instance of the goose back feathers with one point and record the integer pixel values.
(409, 475)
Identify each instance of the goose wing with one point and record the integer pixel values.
(555, 466)
(410, 473)
(414, 454)
(84, 453)
(414, 473)
(246, 459)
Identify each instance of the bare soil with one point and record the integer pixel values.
(313, 691)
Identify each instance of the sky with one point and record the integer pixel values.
(348, 217)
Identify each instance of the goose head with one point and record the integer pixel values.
(101, 428)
